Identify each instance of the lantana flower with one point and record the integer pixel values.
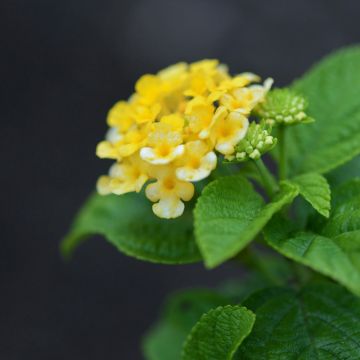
(126, 176)
(167, 192)
(228, 130)
(165, 145)
(197, 162)
(172, 130)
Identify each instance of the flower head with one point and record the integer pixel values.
(172, 129)
(228, 130)
(197, 162)
(258, 141)
(165, 145)
(127, 176)
(283, 106)
(167, 192)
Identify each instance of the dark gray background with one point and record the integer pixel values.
(63, 64)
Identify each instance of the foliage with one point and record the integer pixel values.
(128, 223)
(321, 321)
(301, 295)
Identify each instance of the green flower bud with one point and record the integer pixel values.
(283, 106)
(257, 141)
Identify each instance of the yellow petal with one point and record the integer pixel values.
(152, 192)
(169, 208)
(148, 87)
(250, 76)
(157, 157)
(229, 131)
(103, 185)
(128, 149)
(107, 150)
(205, 65)
(113, 135)
(121, 116)
(119, 187)
(175, 121)
(173, 72)
(185, 190)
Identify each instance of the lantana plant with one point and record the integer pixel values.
(271, 180)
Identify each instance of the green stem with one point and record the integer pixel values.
(268, 180)
(282, 149)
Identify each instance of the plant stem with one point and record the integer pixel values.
(282, 149)
(268, 180)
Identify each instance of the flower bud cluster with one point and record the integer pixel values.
(283, 106)
(258, 141)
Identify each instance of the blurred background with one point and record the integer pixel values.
(63, 64)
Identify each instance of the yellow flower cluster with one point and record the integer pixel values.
(169, 129)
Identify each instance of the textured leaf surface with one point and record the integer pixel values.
(333, 90)
(230, 213)
(330, 246)
(316, 190)
(321, 322)
(219, 333)
(182, 311)
(346, 192)
(323, 254)
(350, 244)
(128, 223)
(345, 215)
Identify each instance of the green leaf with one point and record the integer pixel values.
(330, 246)
(323, 254)
(345, 201)
(350, 243)
(320, 322)
(332, 88)
(316, 190)
(345, 215)
(128, 223)
(219, 333)
(185, 308)
(230, 213)
(346, 192)
(344, 221)
(165, 340)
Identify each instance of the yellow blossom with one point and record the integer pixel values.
(173, 77)
(244, 99)
(121, 116)
(109, 147)
(144, 114)
(164, 145)
(127, 176)
(237, 82)
(197, 162)
(168, 192)
(228, 130)
(175, 121)
(172, 129)
(202, 77)
(200, 113)
(149, 88)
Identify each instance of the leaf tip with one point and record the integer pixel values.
(211, 264)
(66, 248)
